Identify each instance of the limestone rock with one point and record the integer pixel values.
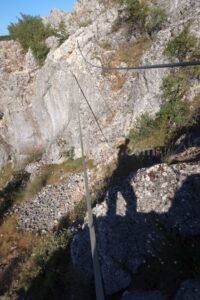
(30, 62)
(56, 16)
(50, 205)
(52, 42)
(40, 104)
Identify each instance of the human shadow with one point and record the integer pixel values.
(136, 239)
(139, 247)
(127, 165)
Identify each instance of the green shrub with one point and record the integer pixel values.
(183, 45)
(49, 267)
(40, 51)
(137, 12)
(154, 20)
(144, 125)
(69, 154)
(174, 86)
(6, 175)
(142, 17)
(47, 249)
(30, 32)
(85, 23)
(106, 45)
(175, 113)
(62, 32)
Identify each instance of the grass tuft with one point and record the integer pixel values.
(183, 46)
(5, 175)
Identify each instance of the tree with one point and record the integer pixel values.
(30, 32)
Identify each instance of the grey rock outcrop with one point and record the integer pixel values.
(178, 9)
(55, 18)
(52, 42)
(16, 86)
(30, 62)
(50, 205)
(130, 221)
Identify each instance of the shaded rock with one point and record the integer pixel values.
(129, 223)
(142, 296)
(189, 290)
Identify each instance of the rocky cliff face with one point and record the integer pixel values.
(145, 211)
(17, 77)
(40, 104)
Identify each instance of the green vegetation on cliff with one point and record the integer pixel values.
(31, 33)
(5, 38)
(143, 17)
(183, 45)
(176, 112)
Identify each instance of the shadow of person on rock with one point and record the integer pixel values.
(137, 250)
(133, 243)
(123, 159)
(127, 165)
(119, 185)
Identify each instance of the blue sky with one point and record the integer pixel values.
(11, 9)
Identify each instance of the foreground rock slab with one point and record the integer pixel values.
(189, 289)
(155, 295)
(135, 219)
